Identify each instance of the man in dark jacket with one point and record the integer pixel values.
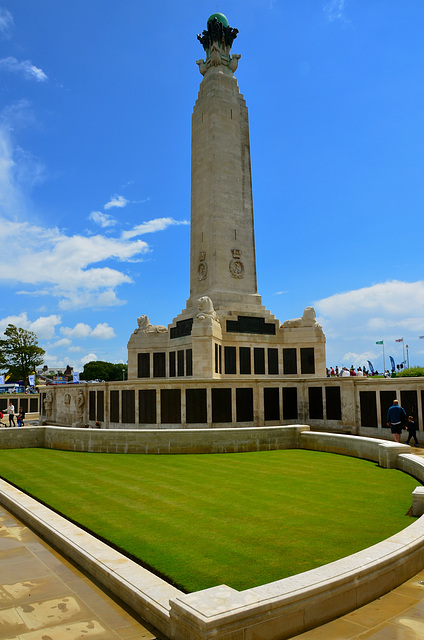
(396, 418)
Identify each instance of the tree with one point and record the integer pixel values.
(20, 352)
(108, 371)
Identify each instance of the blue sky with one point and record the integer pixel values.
(95, 125)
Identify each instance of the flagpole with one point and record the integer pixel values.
(403, 346)
(384, 361)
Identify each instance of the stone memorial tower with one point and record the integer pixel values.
(224, 332)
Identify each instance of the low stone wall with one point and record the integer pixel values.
(174, 441)
(22, 438)
(274, 611)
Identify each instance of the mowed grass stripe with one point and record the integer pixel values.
(237, 519)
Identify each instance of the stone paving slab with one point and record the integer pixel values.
(44, 596)
(398, 615)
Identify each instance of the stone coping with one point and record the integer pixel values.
(273, 611)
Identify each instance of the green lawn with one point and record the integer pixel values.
(238, 519)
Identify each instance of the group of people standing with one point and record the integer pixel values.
(397, 420)
(345, 372)
(11, 411)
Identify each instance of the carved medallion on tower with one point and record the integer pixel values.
(236, 266)
(202, 269)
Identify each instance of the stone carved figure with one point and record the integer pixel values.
(206, 310)
(79, 403)
(145, 326)
(67, 400)
(48, 404)
(307, 320)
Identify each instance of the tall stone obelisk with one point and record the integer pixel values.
(223, 264)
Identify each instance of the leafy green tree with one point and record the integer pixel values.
(20, 353)
(108, 371)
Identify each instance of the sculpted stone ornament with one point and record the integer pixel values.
(307, 320)
(145, 326)
(79, 403)
(236, 266)
(206, 310)
(203, 267)
(48, 404)
(217, 40)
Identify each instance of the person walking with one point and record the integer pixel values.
(11, 411)
(396, 418)
(412, 430)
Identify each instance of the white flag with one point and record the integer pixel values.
(75, 376)
(1, 379)
(31, 381)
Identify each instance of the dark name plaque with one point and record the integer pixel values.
(182, 329)
(250, 324)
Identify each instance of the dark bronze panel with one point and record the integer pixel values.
(307, 360)
(333, 403)
(272, 361)
(128, 406)
(189, 362)
(159, 364)
(316, 405)
(100, 406)
(92, 405)
(170, 401)
(409, 401)
(250, 324)
(114, 406)
(221, 405)
(245, 364)
(259, 360)
(271, 403)
(289, 362)
(196, 407)
(368, 403)
(230, 359)
(244, 405)
(33, 405)
(23, 403)
(147, 406)
(180, 362)
(386, 401)
(172, 365)
(182, 329)
(143, 369)
(290, 403)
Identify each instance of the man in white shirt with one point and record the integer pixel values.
(11, 411)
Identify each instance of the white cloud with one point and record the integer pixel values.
(29, 70)
(101, 331)
(335, 10)
(102, 219)
(43, 327)
(383, 306)
(80, 330)
(151, 226)
(354, 321)
(63, 342)
(40, 261)
(116, 201)
(6, 23)
(88, 358)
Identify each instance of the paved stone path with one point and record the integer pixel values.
(45, 597)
